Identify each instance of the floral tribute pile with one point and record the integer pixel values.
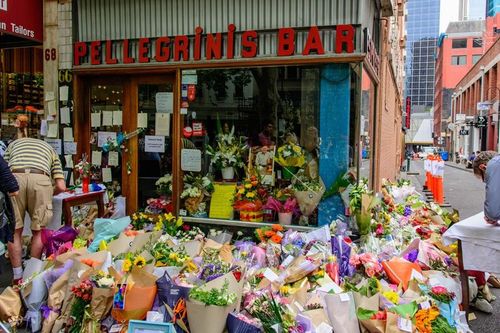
(385, 270)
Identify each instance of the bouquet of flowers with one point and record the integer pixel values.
(82, 297)
(133, 260)
(288, 206)
(368, 262)
(164, 185)
(196, 188)
(168, 223)
(159, 205)
(248, 197)
(141, 220)
(273, 234)
(229, 151)
(290, 155)
(166, 256)
(271, 312)
(83, 166)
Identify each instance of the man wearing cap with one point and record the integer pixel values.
(35, 164)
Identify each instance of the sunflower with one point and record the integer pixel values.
(140, 261)
(127, 265)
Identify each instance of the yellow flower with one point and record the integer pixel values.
(127, 265)
(140, 261)
(179, 222)
(248, 185)
(103, 246)
(160, 264)
(191, 266)
(250, 195)
(158, 226)
(134, 217)
(172, 256)
(169, 216)
(285, 290)
(391, 296)
(296, 149)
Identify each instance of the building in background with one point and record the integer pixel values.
(475, 105)
(492, 7)
(457, 52)
(471, 10)
(422, 34)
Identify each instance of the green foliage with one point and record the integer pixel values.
(217, 297)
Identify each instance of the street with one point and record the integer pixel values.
(465, 193)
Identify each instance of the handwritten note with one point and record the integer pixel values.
(70, 148)
(191, 160)
(96, 157)
(107, 118)
(106, 175)
(95, 119)
(142, 120)
(103, 137)
(220, 205)
(51, 105)
(43, 127)
(154, 144)
(68, 134)
(55, 144)
(63, 93)
(117, 118)
(165, 102)
(113, 158)
(162, 124)
(53, 130)
(65, 115)
(69, 161)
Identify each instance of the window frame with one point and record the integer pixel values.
(455, 41)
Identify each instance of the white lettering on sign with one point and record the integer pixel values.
(20, 30)
(3, 5)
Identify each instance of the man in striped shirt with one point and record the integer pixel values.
(34, 163)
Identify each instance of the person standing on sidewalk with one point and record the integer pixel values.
(486, 166)
(34, 163)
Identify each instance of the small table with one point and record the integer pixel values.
(478, 248)
(80, 199)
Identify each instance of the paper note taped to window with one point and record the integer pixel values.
(221, 206)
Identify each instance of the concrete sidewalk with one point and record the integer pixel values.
(460, 166)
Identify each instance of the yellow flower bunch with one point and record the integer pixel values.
(424, 318)
(291, 155)
(132, 261)
(391, 296)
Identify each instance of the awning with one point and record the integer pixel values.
(21, 23)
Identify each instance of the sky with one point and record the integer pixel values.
(449, 11)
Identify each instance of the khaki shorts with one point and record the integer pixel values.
(35, 197)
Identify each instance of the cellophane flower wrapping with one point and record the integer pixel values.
(34, 293)
(53, 239)
(170, 294)
(106, 229)
(239, 323)
(342, 251)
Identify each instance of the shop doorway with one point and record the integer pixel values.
(135, 113)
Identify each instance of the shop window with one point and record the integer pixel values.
(459, 43)
(477, 42)
(476, 57)
(106, 124)
(155, 145)
(459, 60)
(255, 134)
(367, 120)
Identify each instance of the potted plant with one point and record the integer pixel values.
(291, 157)
(207, 310)
(248, 200)
(227, 155)
(285, 209)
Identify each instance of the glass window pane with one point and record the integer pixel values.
(459, 43)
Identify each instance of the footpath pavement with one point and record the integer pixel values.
(466, 193)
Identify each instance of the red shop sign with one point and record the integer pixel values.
(22, 18)
(214, 46)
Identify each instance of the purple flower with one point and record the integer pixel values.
(407, 211)
(412, 255)
(448, 260)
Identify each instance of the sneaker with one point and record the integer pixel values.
(485, 292)
(482, 305)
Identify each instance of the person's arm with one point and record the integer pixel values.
(57, 174)
(8, 183)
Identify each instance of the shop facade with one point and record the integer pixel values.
(178, 77)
